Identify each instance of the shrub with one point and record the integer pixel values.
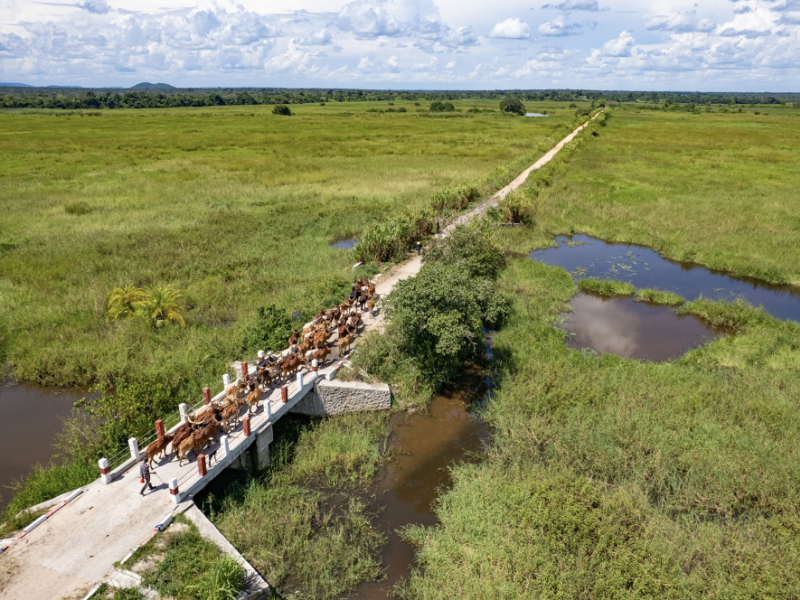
(271, 330)
(454, 198)
(471, 248)
(439, 106)
(282, 109)
(439, 315)
(513, 105)
(402, 109)
(223, 582)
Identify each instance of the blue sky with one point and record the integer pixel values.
(718, 45)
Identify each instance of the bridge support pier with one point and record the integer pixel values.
(256, 457)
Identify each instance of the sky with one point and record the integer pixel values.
(716, 45)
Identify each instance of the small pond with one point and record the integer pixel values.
(638, 330)
(32, 417)
(347, 244)
(534, 114)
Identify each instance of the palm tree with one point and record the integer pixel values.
(123, 302)
(162, 306)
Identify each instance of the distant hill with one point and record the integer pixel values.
(146, 85)
(15, 85)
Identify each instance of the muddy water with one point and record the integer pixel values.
(423, 446)
(633, 329)
(643, 267)
(32, 416)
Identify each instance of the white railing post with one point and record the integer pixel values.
(105, 472)
(260, 354)
(134, 446)
(173, 490)
(226, 380)
(268, 408)
(184, 410)
(300, 379)
(225, 443)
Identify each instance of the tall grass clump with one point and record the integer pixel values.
(392, 238)
(454, 198)
(606, 287)
(659, 297)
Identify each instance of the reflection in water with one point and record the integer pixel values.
(633, 329)
(348, 244)
(423, 446)
(645, 268)
(32, 416)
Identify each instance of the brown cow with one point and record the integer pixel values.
(205, 435)
(321, 355)
(157, 447)
(293, 339)
(253, 399)
(183, 448)
(344, 344)
(291, 365)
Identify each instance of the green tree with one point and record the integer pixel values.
(512, 105)
(282, 109)
(123, 302)
(472, 248)
(162, 306)
(439, 106)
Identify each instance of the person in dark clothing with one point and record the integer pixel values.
(144, 471)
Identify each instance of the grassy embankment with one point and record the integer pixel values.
(235, 208)
(617, 478)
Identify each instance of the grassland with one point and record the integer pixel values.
(612, 478)
(714, 188)
(234, 207)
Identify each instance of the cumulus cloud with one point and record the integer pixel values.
(558, 27)
(748, 33)
(618, 47)
(681, 22)
(590, 5)
(99, 7)
(513, 29)
(368, 19)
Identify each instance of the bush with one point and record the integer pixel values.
(454, 198)
(513, 105)
(471, 248)
(439, 315)
(271, 330)
(282, 109)
(439, 106)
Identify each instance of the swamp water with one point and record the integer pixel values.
(423, 447)
(32, 417)
(639, 330)
(347, 244)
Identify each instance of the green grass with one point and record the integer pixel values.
(615, 478)
(234, 207)
(190, 567)
(653, 296)
(713, 188)
(606, 287)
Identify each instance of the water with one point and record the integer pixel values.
(633, 329)
(32, 416)
(646, 268)
(347, 244)
(423, 445)
(536, 115)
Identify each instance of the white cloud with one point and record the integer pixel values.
(99, 7)
(368, 19)
(558, 27)
(590, 5)
(450, 65)
(513, 29)
(619, 46)
(681, 22)
(748, 33)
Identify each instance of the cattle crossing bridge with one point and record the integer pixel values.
(68, 551)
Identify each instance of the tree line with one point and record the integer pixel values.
(81, 98)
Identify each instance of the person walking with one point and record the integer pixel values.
(144, 471)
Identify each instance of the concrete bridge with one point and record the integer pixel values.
(77, 542)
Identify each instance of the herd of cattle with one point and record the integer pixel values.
(304, 346)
